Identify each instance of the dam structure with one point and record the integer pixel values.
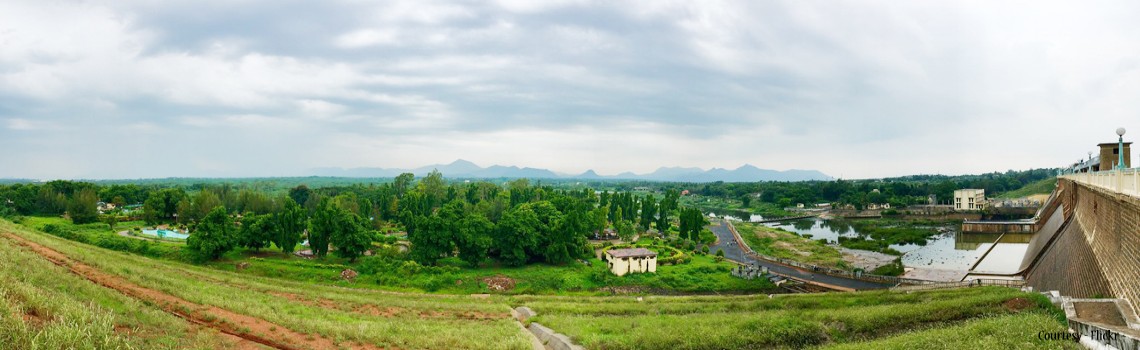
(1084, 252)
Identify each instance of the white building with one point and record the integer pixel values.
(969, 199)
(623, 261)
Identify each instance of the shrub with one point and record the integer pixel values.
(895, 268)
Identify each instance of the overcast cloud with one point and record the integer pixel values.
(129, 89)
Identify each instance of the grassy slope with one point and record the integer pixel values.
(864, 320)
(43, 306)
(703, 274)
(783, 244)
(416, 321)
(1044, 186)
(1017, 331)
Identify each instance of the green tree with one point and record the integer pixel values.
(431, 240)
(321, 227)
(692, 222)
(517, 236)
(402, 183)
(256, 231)
(111, 221)
(213, 237)
(288, 225)
(648, 212)
(434, 189)
(119, 202)
(668, 205)
(568, 239)
(625, 230)
(350, 202)
(349, 236)
(473, 238)
(162, 205)
(83, 209)
(598, 219)
(300, 194)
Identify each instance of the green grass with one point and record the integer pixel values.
(895, 268)
(1018, 331)
(1045, 186)
(391, 270)
(723, 206)
(879, 234)
(703, 274)
(84, 315)
(783, 321)
(776, 242)
(43, 306)
(99, 234)
(260, 297)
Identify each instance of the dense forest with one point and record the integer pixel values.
(515, 223)
(899, 192)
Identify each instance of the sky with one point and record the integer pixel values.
(855, 89)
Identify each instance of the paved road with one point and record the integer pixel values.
(726, 242)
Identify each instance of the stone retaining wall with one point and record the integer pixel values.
(1098, 252)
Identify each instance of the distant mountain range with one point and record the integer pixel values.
(465, 169)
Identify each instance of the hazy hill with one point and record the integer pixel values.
(465, 169)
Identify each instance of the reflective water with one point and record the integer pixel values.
(948, 250)
(165, 234)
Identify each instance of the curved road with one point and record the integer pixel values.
(732, 251)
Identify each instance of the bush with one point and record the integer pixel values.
(895, 268)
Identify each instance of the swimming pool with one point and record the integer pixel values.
(165, 234)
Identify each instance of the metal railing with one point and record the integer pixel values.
(1123, 181)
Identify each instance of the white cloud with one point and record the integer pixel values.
(367, 37)
(847, 88)
(21, 124)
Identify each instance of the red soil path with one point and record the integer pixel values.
(248, 328)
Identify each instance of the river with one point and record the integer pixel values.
(948, 255)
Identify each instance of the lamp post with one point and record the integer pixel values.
(1120, 149)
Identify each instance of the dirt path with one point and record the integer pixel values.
(245, 327)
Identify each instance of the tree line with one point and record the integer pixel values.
(515, 223)
(899, 191)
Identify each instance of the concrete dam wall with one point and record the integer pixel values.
(1096, 252)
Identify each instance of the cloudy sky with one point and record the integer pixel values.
(858, 89)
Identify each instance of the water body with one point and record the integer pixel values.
(949, 250)
(165, 234)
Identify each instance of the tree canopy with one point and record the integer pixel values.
(214, 236)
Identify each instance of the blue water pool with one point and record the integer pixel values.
(165, 234)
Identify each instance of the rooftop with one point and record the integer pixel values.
(631, 253)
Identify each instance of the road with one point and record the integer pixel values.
(732, 251)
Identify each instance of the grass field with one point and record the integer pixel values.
(141, 302)
(43, 306)
(346, 316)
(779, 243)
(1044, 186)
(394, 272)
(860, 320)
